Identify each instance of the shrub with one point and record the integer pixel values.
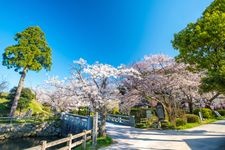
(25, 98)
(167, 125)
(83, 111)
(139, 113)
(141, 125)
(221, 112)
(46, 108)
(41, 116)
(206, 112)
(191, 118)
(154, 125)
(115, 111)
(181, 122)
(152, 120)
(74, 111)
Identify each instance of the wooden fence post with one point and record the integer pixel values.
(69, 143)
(84, 140)
(94, 130)
(43, 145)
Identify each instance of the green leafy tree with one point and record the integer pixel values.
(30, 53)
(25, 98)
(202, 45)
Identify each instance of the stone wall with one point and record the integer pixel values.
(30, 130)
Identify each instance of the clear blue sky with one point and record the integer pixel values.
(109, 31)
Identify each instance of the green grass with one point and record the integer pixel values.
(188, 126)
(101, 142)
(36, 107)
(3, 100)
(192, 125)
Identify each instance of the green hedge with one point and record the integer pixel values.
(191, 118)
(167, 125)
(221, 112)
(181, 122)
(206, 112)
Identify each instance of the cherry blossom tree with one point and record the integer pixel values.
(98, 83)
(55, 95)
(157, 82)
(165, 80)
(92, 85)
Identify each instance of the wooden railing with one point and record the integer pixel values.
(86, 135)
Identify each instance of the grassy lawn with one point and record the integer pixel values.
(36, 107)
(192, 125)
(101, 142)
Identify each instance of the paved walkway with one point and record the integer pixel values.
(205, 137)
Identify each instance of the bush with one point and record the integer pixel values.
(25, 98)
(74, 111)
(221, 112)
(139, 113)
(141, 125)
(115, 111)
(46, 108)
(83, 111)
(180, 122)
(191, 118)
(167, 125)
(39, 116)
(206, 112)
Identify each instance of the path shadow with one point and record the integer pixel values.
(216, 143)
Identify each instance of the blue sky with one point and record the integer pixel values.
(109, 31)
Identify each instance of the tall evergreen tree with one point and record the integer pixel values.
(30, 53)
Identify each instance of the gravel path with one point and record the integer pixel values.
(205, 137)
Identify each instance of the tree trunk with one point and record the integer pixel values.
(102, 128)
(18, 92)
(190, 105)
(171, 114)
(214, 97)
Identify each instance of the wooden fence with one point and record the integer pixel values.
(85, 136)
(73, 140)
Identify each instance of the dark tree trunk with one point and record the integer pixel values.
(214, 97)
(102, 128)
(18, 92)
(190, 105)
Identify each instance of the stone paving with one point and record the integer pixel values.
(205, 137)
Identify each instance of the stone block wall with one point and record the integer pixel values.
(30, 130)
